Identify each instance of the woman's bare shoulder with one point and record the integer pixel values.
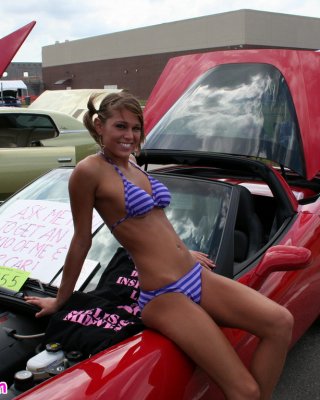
(86, 170)
(87, 166)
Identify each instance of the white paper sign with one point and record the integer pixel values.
(87, 268)
(35, 236)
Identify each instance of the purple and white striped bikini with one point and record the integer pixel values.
(189, 285)
(137, 201)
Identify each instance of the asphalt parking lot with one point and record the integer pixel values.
(301, 376)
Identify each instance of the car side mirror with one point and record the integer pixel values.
(281, 258)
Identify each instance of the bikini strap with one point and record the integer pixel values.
(114, 166)
(138, 167)
(118, 169)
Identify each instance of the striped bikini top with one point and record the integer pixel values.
(137, 201)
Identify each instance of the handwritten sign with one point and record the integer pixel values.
(35, 236)
(12, 278)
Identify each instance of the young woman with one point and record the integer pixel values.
(179, 298)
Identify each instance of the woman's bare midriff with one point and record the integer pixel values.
(158, 261)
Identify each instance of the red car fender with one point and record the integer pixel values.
(146, 366)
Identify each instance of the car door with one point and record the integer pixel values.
(18, 166)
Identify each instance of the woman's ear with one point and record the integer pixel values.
(98, 125)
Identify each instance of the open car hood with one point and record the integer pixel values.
(259, 103)
(10, 44)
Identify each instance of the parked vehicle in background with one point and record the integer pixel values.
(34, 141)
(72, 102)
(11, 93)
(10, 101)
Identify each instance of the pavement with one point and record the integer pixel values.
(300, 379)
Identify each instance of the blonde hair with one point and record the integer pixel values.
(112, 102)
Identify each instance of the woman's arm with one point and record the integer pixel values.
(82, 189)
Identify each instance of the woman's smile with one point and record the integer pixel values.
(121, 133)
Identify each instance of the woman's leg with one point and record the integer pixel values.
(242, 307)
(229, 304)
(195, 332)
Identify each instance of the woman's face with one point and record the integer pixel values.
(120, 133)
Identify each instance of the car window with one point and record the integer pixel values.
(243, 109)
(197, 211)
(25, 130)
(23, 120)
(51, 186)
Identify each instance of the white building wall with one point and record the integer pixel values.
(282, 30)
(220, 30)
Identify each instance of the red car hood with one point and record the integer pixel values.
(299, 68)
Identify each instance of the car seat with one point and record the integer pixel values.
(248, 234)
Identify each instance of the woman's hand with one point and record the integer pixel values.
(48, 305)
(203, 259)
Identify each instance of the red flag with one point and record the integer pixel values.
(10, 44)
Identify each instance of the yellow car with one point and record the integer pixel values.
(35, 141)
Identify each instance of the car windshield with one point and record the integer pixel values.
(241, 109)
(36, 225)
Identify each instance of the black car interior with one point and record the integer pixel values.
(248, 233)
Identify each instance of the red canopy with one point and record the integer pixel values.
(10, 44)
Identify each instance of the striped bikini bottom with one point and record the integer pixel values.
(189, 284)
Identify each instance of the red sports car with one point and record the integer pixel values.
(234, 134)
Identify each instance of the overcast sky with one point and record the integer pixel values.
(60, 20)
